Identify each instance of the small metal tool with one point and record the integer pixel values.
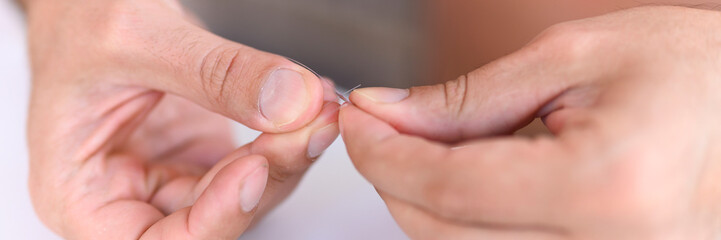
(349, 91)
(340, 95)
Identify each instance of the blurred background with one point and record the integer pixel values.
(399, 43)
(369, 42)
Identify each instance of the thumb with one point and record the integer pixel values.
(496, 99)
(264, 91)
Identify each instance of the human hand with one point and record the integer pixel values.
(632, 100)
(127, 123)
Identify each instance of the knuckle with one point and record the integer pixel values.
(217, 67)
(456, 95)
(569, 42)
(287, 161)
(118, 26)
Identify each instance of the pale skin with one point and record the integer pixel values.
(129, 126)
(631, 99)
(129, 138)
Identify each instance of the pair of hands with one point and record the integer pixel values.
(633, 153)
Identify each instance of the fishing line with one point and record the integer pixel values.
(337, 93)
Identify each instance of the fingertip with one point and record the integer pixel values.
(329, 92)
(328, 114)
(295, 151)
(325, 130)
(394, 106)
(421, 111)
(229, 199)
(345, 117)
(237, 174)
(319, 91)
(253, 187)
(290, 98)
(321, 139)
(378, 98)
(380, 95)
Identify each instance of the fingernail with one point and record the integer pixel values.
(283, 97)
(253, 188)
(384, 95)
(328, 91)
(322, 139)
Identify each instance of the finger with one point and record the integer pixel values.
(329, 92)
(264, 91)
(507, 180)
(419, 224)
(288, 154)
(291, 154)
(496, 99)
(224, 209)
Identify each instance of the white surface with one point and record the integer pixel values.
(333, 201)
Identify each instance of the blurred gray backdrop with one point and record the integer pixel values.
(369, 42)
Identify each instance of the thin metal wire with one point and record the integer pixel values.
(304, 66)
(352, 89)
(345, 100)
(340, 95)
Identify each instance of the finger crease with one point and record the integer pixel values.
(226, 73)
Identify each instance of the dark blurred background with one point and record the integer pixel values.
(393, 43)
(369, 42)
